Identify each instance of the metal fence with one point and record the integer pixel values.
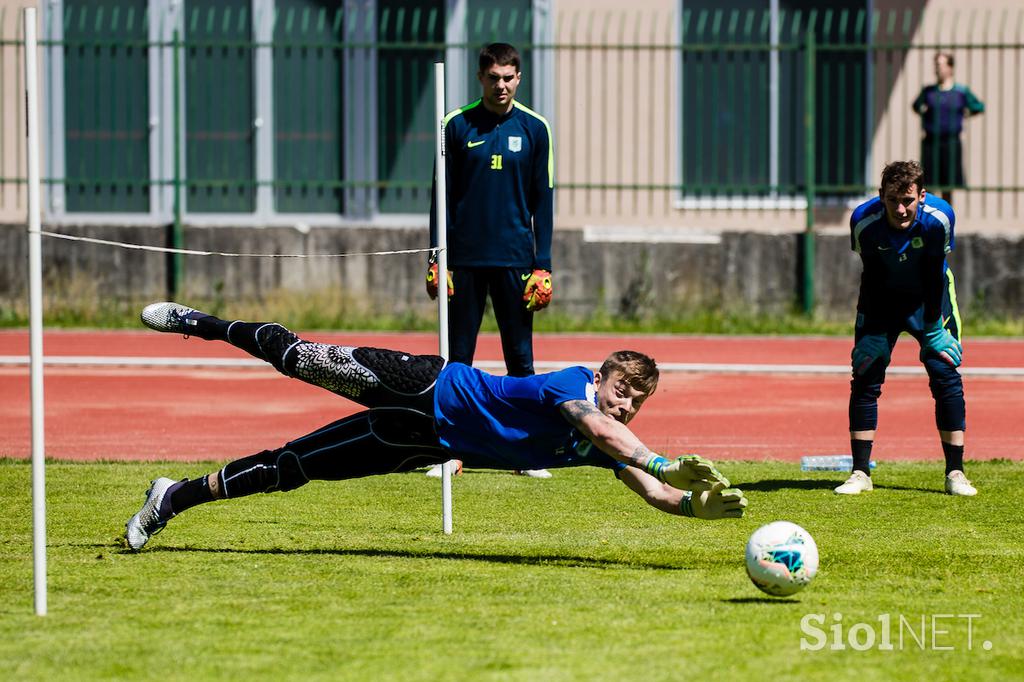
(159, 109)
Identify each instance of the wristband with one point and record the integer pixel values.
(654, 466)
(686, 504)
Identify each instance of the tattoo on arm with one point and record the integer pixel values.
(641, 457)
(577, 410)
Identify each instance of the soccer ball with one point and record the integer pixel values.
(782, 558)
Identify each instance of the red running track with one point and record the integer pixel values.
(143, 413)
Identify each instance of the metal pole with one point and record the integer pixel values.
(35, 270)
(809, 161)
(442, 266)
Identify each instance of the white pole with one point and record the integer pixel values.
(441, 205)
(35, 295)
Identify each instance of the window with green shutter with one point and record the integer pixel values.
(737, 139)
(219, 133)
(106, 105)
(405, 101)
(309, 106)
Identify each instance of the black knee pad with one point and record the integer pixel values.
(400, 372)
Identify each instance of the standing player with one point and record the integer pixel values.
(943, 107)
(422, 411)
(500, 164)
(903, 236)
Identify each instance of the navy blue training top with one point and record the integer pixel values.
(942, 111)
(493, 422)
(903, 269)
(500, 188)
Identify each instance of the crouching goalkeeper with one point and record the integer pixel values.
(423, 412)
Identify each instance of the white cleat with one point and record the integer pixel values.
(533, 473)
(957, 484)
(170, 317)
(857, 483)
(147, 522)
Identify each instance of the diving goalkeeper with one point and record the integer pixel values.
(423, 412)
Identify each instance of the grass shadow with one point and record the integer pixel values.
(912, 489)
(761, 600)
(773, 484)
(558, 560)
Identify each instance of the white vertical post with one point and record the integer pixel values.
(35, 288)
(441, 205)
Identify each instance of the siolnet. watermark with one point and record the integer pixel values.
(893, 632)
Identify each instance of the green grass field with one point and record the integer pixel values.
(572, 578)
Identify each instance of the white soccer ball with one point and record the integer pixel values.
(782, 558)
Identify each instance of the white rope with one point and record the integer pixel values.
(192, 252)
(495, 365)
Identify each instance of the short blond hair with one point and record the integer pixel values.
(638, 370)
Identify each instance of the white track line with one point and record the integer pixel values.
(693, 367)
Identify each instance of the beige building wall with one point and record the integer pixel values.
(13, 198)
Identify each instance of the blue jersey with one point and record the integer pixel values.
(942, 111)
(904, 270)
(493, 422)
(500, 188)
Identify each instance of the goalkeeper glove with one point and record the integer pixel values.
(432, 281)
(938, 340)
(688, 472)
(538, 290)
(719, 502)
(868, 350)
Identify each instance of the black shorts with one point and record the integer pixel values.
(942, 158)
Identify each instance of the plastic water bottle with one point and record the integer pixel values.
(828, 463)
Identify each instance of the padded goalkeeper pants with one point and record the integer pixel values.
(396, 434)
(382, 440)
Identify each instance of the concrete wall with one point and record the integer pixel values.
(733, 270)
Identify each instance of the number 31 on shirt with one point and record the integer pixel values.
(495, 161)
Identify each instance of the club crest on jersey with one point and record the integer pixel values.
(515, 144)
(917, 242)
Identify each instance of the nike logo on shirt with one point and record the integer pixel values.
(470, 145)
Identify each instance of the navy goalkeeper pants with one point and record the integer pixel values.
(946, 385)
(515, 322)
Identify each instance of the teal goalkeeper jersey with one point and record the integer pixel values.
(500, 188)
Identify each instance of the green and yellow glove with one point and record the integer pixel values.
(537, 293)
(870, 349)
(720, 502)
(938, 340)
(687, 472)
